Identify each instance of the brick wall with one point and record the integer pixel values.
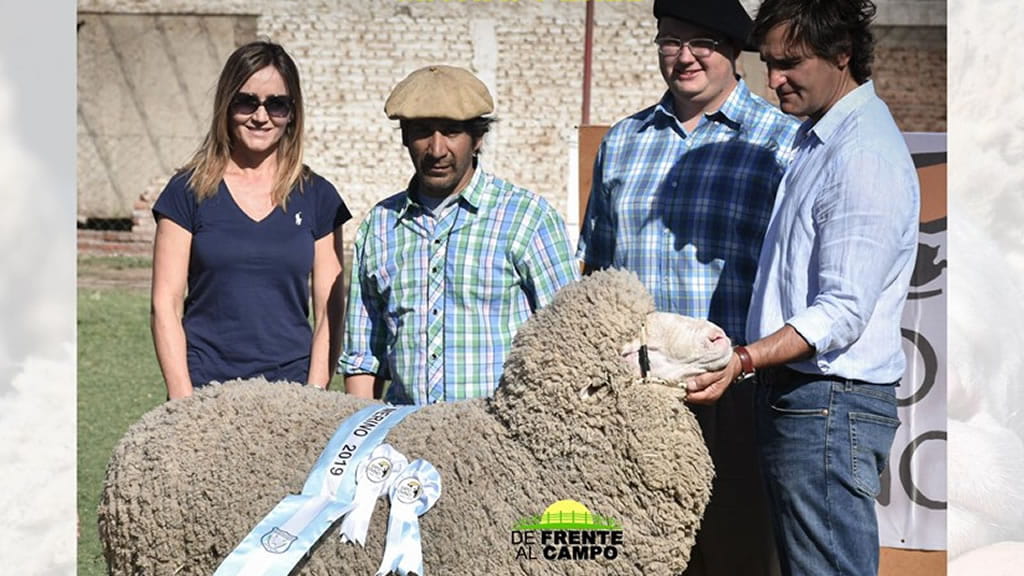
(529, 52)
(910, 75)
(145, 94)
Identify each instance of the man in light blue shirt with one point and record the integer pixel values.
(682, 194)
(824, 323)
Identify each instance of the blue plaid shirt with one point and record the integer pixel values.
(688, 212)
(434, 302)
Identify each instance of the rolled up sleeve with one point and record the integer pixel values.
(365, 340)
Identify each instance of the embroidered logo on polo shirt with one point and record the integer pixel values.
(298, 218)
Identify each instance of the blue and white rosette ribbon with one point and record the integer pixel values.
(374, 478)
(291, 529)
(414, 492)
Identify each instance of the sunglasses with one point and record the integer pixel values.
(276, 106)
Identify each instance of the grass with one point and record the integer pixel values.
(118, 381)
(89, 262)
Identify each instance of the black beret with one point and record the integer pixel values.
(727, 17)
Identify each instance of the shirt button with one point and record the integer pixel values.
(435, 311)
(434, 270)
(434, 356)
(437, 242)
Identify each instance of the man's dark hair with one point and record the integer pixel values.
(829, 28)
(475, 127)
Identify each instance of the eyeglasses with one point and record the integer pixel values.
(699, 47)
(276, 106)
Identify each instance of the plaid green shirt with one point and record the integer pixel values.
(434, 303)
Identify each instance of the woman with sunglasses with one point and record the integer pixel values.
(243, 226)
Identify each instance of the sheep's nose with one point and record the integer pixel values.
(717, 337)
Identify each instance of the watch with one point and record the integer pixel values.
(746, 364)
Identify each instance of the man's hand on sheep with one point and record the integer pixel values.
(679, 347)
(708, 388)
(783, 346)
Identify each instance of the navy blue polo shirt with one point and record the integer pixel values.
(247, 306)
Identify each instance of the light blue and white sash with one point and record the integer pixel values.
(414, 491)
(286, 534)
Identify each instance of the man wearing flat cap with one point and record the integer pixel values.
(682, 194)
(446, 271)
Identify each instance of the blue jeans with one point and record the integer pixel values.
(823, 444)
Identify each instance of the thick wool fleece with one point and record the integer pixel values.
(192, 477)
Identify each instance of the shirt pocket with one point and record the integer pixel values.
(483, 279)
(395, 304)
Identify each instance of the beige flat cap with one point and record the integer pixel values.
(439, 92)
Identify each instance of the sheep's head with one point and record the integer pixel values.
(678, 347)
(571, 360)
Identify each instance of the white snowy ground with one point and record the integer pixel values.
(986, 317)
(37, 291)
(37, 365)
(37, 418)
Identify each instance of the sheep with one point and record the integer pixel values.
(985, 448)
(571, 419)
(999, 559)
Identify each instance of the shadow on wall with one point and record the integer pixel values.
(145, 93)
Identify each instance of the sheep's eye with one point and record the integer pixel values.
(591, 390)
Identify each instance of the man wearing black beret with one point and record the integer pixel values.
(682, 194)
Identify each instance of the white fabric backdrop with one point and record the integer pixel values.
(912, 505)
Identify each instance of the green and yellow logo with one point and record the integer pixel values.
(567, 530)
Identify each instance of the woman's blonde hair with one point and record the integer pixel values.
(211, 159)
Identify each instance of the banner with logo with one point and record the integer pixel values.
(912, 505)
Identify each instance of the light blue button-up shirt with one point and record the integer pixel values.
(840, 249)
